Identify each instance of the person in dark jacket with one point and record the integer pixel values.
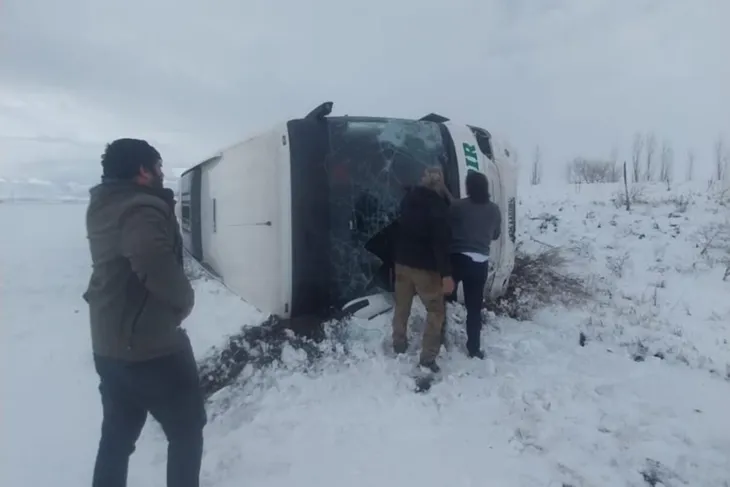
(138, 296)
(422, 263)
(475, 223)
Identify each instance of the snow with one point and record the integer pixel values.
(654, 284)
(541, 411)
(40, 190)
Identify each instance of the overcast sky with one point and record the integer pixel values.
(577, 77)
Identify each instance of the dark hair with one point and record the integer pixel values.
(123, 158)
(477, 187)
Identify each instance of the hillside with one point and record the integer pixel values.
(31, 189)
(626, 387)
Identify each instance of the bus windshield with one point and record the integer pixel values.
(370, 165)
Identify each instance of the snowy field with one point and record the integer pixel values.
(644, 402)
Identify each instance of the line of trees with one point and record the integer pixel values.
(651, 160)
(662, 169)
(645, 148)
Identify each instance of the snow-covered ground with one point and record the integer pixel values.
(541, 411)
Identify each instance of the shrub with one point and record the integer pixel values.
(537, 281)
(582, 170)
(636, 196)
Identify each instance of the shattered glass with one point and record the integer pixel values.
(371, 164)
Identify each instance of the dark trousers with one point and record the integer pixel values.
(169, 390)
(473, 276)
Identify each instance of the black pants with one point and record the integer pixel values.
(169, 390)
(473, 276)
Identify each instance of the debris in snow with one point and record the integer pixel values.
(656, 474)
(259, 346)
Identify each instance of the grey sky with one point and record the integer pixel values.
(578, 77)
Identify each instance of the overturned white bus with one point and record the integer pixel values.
(284, 218)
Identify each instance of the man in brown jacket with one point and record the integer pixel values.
(138, 296)
(422, 264)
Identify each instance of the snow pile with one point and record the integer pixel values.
(542, 410)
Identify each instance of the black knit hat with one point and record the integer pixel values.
(123, 158)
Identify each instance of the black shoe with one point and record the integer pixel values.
(432, 366)
(400, 348)
(477, 354)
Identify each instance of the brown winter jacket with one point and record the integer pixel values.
(138, 293)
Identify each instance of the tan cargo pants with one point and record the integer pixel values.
(408, 283)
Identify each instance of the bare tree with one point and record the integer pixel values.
(666, 163)
(636, 157)
(615, 170)
(720, 158)
(650, 148)
(569, 173)
(690, 164)
(536, 175)
(626, 188)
